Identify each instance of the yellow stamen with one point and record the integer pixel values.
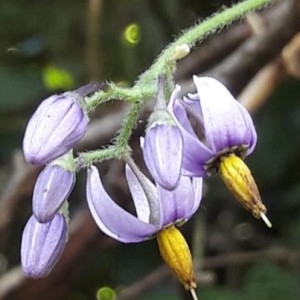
(239, 180)
(176, 253)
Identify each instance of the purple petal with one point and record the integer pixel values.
(192, 100)
(55, 127)
(138, 195)
(178, 203)
(227, 124)
(163, 154)
(252, 135)
(178, 112)
(197, 183)
(52, 188)
(195, 153)
(42, 245)
(111, 218)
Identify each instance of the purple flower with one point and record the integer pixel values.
(52, 188)
(55, 128)
(212, 124)
(155, 207)
(42, 245)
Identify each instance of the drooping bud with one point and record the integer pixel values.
(56, 126)
(239, 180)
(42, 245)
(175, 252)
(53, 187)
(163, 144)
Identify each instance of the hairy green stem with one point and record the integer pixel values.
(128, 125)
(115, 92)
(145, 87)
(85, 159)
(120, 148)
(200, 32)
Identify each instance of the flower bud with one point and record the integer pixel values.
(42, 245)
(163, 144)
(162, 150)
(56, 126)
(52, 188)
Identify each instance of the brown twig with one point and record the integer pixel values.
(266, 80)
(239, 67)
(209, 52)
(93, 65)
(262, 85)
(18, 188)
(259, 49)
(278, 255)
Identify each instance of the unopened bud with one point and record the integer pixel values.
(52, 188)
(162, 151)
(56, 126)
(42, 245)
(163, 144)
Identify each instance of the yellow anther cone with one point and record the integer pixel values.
(176, 253)
(239, 180)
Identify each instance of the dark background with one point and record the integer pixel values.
(48, 47)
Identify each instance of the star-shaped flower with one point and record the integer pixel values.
(218, 133)
(157, 212)
(212, 124)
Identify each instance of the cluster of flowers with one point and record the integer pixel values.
(193, 137)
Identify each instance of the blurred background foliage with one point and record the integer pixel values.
(44, 49)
